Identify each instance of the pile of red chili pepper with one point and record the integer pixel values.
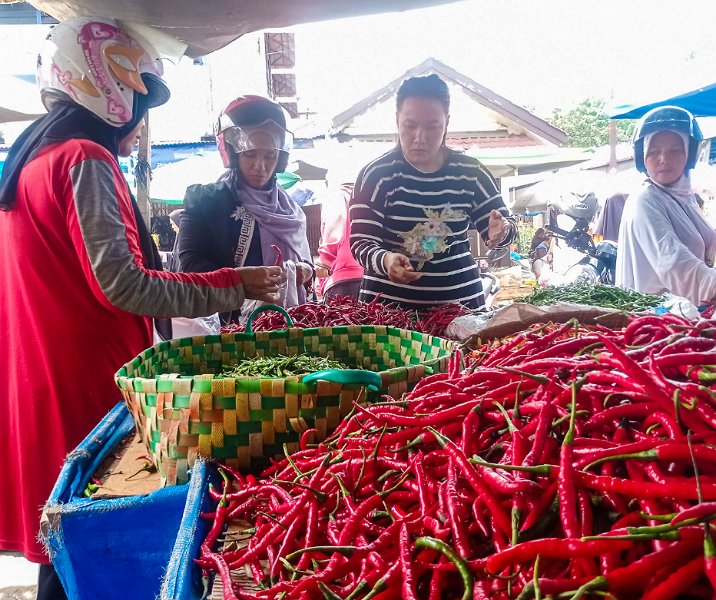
(565, 461)
(344, 310)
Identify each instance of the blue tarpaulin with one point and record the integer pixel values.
(700, 103)
(112, 548)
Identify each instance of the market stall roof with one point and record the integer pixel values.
(169, 182)
(8, 115)
(472, 106)
(20, 100)
(212, 24)
(506, 162)
(536, 197)
(700, 102)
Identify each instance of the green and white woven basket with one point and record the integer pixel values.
(182, 410)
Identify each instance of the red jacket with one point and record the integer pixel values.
(76, 302)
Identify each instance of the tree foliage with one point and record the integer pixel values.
(587, 125)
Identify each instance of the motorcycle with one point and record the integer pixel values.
(600, 259)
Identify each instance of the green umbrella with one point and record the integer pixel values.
(287, 179)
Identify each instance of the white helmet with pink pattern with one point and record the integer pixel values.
(101, 67)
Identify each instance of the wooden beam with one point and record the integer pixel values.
(144, 160)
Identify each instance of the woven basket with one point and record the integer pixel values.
(183, 411)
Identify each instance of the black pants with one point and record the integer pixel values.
(49, 586)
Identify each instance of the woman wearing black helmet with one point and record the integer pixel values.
(665, 243)
(80, 275)
(238, 220)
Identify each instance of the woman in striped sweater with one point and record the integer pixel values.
(412, 207)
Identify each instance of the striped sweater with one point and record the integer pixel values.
(426, 216)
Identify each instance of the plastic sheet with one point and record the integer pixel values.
(183, 577)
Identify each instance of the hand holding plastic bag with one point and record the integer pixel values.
(287, 293)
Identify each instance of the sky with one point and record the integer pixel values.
(540, 54)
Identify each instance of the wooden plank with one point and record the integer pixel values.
(235, 538)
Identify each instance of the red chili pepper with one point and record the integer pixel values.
(474, 480)
(678, 582)
(544, 424)
(565, 480)
(696, 512)
(685, 488)
(279, 256)
(552, 548)
(457, 516)
(406, 565)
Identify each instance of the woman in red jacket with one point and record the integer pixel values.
(81, 277)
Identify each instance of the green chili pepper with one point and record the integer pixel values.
(280, 366)
(452, 556)
(593, 295)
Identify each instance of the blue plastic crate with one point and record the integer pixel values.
(113, 548)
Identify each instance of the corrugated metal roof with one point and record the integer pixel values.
(21, 13)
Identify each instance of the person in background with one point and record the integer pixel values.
(412, 207)
(173, 263)
(540, 253)
(344, 274)
(665, 243)
(238, 220)
(607, 225)
(81, 276)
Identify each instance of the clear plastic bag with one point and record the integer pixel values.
(186, 327)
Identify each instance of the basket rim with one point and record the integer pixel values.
(121, 374)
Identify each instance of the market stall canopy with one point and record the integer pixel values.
(536, 197)
(308, 171)
(506, 162)
(700, 103)
(20, 100)
(7, 115)
(212, 24)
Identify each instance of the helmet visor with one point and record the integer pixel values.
(268, 135)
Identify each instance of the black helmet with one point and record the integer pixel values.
(668, 118)
(577, 205)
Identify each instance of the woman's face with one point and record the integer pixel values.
(129, 141)
(258, 164)
(422, 123)
(665, 158)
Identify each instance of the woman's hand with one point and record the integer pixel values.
(399, 269)
(304, 273)
(261, 283)
(497, 229)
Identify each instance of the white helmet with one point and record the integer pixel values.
(100, 67)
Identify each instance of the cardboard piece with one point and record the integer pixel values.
(120, 472)
(475, 329)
